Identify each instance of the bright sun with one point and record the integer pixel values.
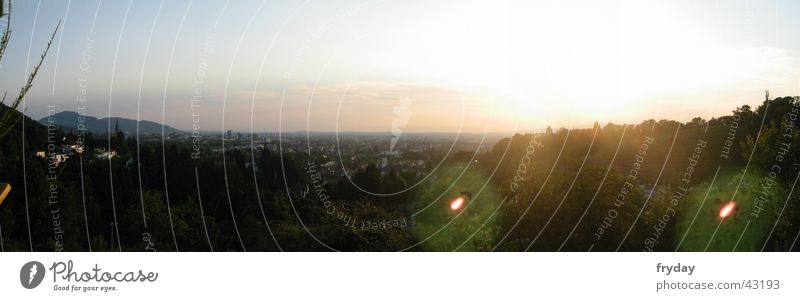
(536, 62)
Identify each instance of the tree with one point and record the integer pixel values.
(8, 118)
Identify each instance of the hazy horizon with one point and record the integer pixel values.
(380, 66)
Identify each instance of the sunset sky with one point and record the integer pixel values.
(441, 66)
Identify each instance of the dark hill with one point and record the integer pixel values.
(35, 135)
(68, 120)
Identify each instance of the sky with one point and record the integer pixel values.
(417, 66)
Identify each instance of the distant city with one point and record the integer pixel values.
(339, 154)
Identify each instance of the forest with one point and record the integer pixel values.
(659, 185)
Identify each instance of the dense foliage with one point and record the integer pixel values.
(654, 186)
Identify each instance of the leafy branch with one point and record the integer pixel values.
(8, 118)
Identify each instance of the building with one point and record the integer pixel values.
(101, 153)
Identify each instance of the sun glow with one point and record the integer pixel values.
(614, 65)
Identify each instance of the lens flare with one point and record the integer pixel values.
(457, 203)
(727, 209)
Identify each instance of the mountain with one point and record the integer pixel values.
(35, 135)
(68, 120)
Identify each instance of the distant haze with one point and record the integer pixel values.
(403, 66)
